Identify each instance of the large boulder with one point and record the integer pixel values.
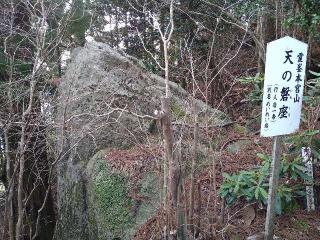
(105, 102)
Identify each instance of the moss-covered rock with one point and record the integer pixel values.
(111, 209)
(109, 202)
(238, 146)
(240, 129)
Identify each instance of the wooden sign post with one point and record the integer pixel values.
(273, 183)
(307, 160)
(281, 106)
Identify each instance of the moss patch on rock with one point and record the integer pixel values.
(240, 129)
(111, 208)
(111, 193)
(109, 201)
(177, 110)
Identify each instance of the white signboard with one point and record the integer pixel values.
(283, 86)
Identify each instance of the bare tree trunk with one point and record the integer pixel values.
(310, 37)
(170, 184)
(126, 27)
(221, 218)
(166, 122)
(266, 31)
(168, 145)
(40, 41)
(261, 23)
(186, 212)
(111, 32)
(8, 154)
(214, 179)
(10, 180)
(22, 146)
(198, 212)
(193, 164)
(117, 27)
(181, 228)
(165, 185)
(276, 3)
(168, 172)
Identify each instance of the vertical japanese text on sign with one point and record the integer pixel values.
(283, 86)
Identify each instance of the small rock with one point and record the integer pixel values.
(238, 146)
(240, 129)
(235, 237)
(249, 215)
(260, 236)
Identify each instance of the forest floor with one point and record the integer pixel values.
(238, 151)
(248, 220)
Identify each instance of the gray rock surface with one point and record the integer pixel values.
(100, 97)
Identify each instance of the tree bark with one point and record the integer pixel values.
(267, 33)
(198, 212)
(168, 146)
(193, 164)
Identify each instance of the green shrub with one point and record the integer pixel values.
(257, 82)
(252, 185)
